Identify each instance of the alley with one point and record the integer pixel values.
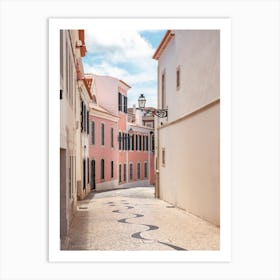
(132, 219)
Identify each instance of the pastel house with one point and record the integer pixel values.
(119, 152)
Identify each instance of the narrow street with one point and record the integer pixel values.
(132, 219)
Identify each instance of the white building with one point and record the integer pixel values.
(188, 140)
(71, 49)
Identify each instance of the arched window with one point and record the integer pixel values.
(145, 170)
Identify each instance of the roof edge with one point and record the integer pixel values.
(166, 39)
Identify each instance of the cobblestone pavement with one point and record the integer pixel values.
(132, 219)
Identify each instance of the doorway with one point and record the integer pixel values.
(63, 194)
(92, 175)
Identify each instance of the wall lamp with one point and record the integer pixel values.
(161, 113)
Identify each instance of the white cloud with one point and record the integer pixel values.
(115, 53)
(120, 46)
(106, 68)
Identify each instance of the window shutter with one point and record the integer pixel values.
(102, 133)
(112, 169)
(85, 119)
(82, 116)
(124, 104)
(92, 133)
(87, 122)
(132, 148)
(120, 140)
(120, 101)
(88, 170)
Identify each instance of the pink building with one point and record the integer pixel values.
(103, 150)
(119, 152)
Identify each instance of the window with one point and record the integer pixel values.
(153, 143)
(112, 169)
(138, 170)
(102, 134)
(178, 78)
(92, 135)
(84, 173)
(123, 142)
(87, 122)
(85, 118)
(120, 173)
(112, 137)
(163, 156)
(128, 142)
(147, 143)
(88, 170)
(120, 140)
(132, 142)
(124, 172)
(82, 116)
(145, 170)
(102, 170)
(163, 90)
(130, 171)
(120, 101)
(136, 142)
(125, 104)
(144, 148)
(140, 142)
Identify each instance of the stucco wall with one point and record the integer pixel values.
(190, 178)
(106, 93)
(197, 53)
(106, 152)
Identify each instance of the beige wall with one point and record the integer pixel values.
(191, 176)
(197, 52)
(68, 130)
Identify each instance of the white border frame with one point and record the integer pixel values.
(224, 254)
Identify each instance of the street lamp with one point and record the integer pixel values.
(161, 113)
(141, 101)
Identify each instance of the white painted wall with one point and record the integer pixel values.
(68, 129)
(190, 178)
(197, 52)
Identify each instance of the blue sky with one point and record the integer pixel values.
(126, 55)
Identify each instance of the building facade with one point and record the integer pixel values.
(103, 148)
(120, 152)
(188, 140)
(70, 55)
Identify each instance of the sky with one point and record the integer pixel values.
(126, 55)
